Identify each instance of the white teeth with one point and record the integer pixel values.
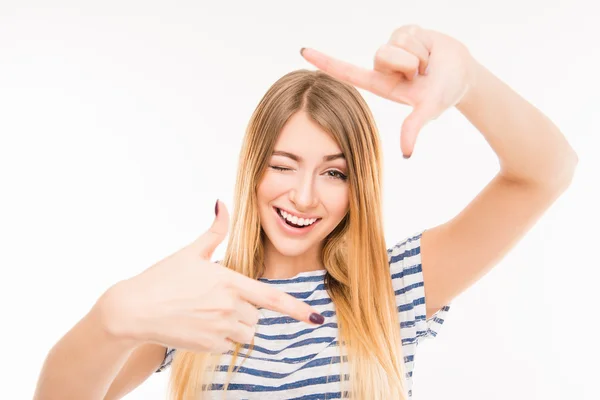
(295, 220)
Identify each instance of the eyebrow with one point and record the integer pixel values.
(297, 158)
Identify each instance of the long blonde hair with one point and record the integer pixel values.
(354, 253)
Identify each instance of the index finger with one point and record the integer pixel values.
(266, 296)
(389, 86)
(357, 76)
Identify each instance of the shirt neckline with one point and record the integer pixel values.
(318, 272)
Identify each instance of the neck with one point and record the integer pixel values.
(281, 266)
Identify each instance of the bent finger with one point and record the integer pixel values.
(414, 46)
(247, 313)
(392, 59)
(242, 333)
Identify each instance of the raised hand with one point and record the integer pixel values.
(421, 68)
(187, 302)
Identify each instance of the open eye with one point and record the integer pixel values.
(338, 175)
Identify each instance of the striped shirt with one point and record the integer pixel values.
(296, 360)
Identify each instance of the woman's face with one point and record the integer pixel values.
(310, 185)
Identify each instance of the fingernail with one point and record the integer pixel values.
(302, 50)
(317, 318)
(406, 157)
(426, 70)
(217, 208)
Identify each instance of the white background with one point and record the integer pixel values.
(121, 123)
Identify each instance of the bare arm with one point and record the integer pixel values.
(86, 361)
(184, 301)
(142, 363)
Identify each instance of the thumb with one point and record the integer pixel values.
(206, 244)
(411, 127)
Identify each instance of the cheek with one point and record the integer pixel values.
(268, 187)
(337, 202)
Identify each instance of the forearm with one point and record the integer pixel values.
(529, 146)
(84, 363)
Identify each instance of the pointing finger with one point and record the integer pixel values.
(376, 82)
(342, 70)
(265, 296)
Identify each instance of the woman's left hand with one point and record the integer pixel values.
(424, 69)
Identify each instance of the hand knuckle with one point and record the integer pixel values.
(380, 52)
(223, 278)
(397, 31)
(220, 286)
(210, 343)
(402, 40)
(227, 305)
(414, 64)
(226, 311)
(225, 327)
(221, 345)
(412, 28)
(227, 346)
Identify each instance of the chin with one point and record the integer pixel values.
(290, 248)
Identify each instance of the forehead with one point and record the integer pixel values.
(301, 135)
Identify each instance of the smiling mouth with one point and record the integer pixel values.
(278, 211)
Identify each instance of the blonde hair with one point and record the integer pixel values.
(354, 254)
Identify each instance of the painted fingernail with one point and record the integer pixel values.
(317, 318)
(301, 51)
(217, 208)
(406, 157)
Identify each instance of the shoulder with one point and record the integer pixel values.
(405, 260)
(409, 289)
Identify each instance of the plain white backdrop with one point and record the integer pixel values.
(121, 123)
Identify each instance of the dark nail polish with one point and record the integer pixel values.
(301, 50)
(317, 318)
(217, 207)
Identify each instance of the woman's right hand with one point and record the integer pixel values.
(186, 301)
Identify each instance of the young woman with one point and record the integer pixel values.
(307, 302)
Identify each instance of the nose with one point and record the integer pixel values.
(303, 194)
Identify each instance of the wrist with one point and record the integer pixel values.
(474, 74)
(115, 318)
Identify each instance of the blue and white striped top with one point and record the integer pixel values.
(296, 360)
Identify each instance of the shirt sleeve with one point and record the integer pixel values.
(167, 360)
(409, 288)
